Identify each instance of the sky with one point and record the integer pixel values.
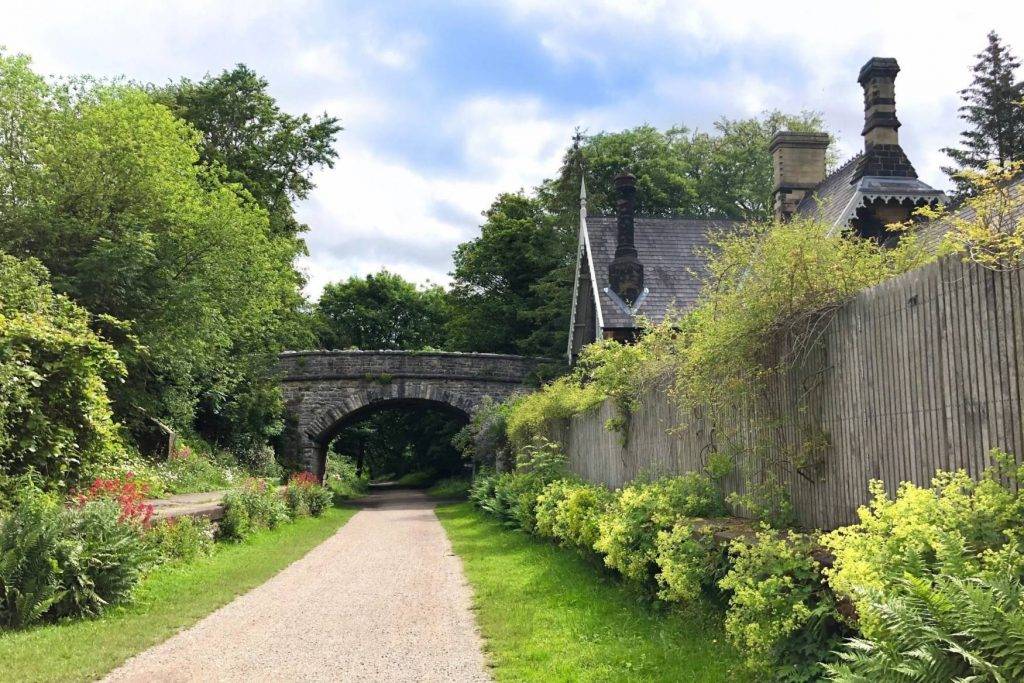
(447, 104)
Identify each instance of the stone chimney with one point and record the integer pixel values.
(883, 155)
(625, 272)
(798, 162)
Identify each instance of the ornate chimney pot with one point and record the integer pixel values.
(625, 272)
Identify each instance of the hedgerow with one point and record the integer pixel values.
(628, 531)
(959, 539)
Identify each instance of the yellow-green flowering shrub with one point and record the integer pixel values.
(550, 500)
(578, 515)
(688, 562)
(780, 615)
(629, 528)
(958, 526)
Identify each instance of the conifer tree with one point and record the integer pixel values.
(993, 107)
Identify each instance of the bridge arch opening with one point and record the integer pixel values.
(390, 438)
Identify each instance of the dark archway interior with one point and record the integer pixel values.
(391, 438)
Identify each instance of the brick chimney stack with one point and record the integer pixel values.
(798, 163)
(625, 272)
(883, 155)
(878, 78)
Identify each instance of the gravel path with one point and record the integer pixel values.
(384, 599)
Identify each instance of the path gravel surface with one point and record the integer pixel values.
(384, 599)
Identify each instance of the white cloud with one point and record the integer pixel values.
(420, 158)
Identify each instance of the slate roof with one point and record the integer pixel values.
(837, 198)
(932, 233)
(670, 250)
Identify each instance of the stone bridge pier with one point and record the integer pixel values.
(324, 391)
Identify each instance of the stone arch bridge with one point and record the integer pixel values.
(324, 391)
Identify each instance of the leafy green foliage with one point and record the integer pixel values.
(250, 508)
(496, 290)
(30, 538)
(629, 527)
(689, 562)
(958, 527)
(953, 629)
(578, 515)
(485, 439)
(66, 561)
(305, 497)
(779, 613)
(55, 416)
(181, 539)
(381, 311)
(270, 153)
(516, 493)
(342, 478)
(993, 109)
(110, 192)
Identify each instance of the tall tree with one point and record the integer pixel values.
(108, 190)
(496, 277)
(512, 285)
(381, 311)
(993, 108)
(269, 152)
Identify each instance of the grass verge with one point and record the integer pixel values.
(172, 597)
(549, 614)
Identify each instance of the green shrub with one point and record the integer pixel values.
(549, 502)
(628, 530)
(452, 487)
(191, 471)
(481, 491)
(101, 561)
(537, 465)
(959, 527)
(180, 539)
(305, 496)
(30, 537)
(952, 629)
(780, 615)
(259, 460)
(484, 440)
(578, 516)
(66, 561)
(688, 562)
(342, 479)
(250, 508)
(55, 416)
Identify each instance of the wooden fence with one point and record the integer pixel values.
(919, 373)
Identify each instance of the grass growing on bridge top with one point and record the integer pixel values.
(171, 598)
(550, 615)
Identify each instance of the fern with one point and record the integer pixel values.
(955, 629)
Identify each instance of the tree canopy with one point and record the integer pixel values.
(993, 109)
(110, 191)
(381, 311)
(272, 154)
(512, 285)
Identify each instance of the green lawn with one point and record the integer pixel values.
(170, 598)
(548, 614)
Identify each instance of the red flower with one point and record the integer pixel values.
(129, 494)
(304, 479)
